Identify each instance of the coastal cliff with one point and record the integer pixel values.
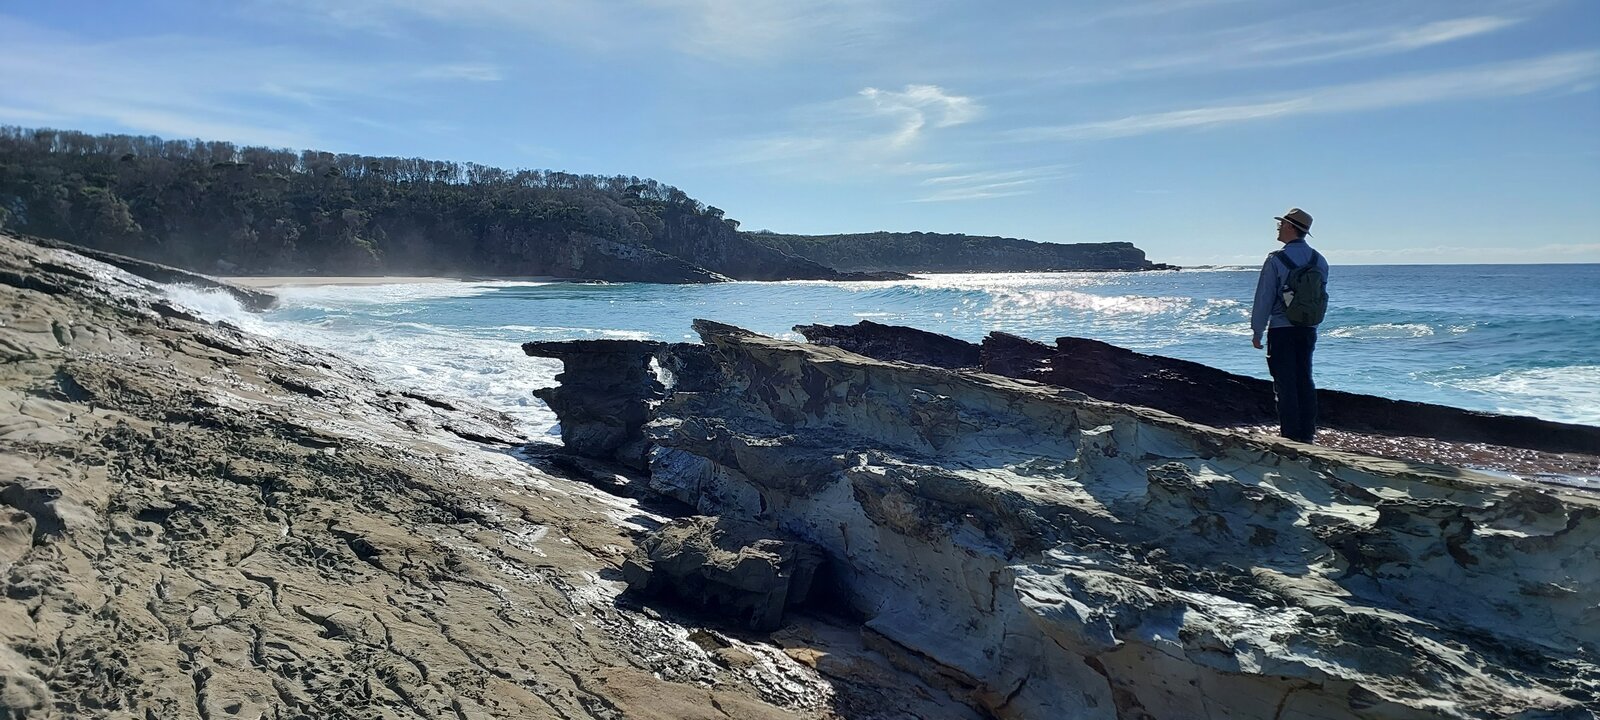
(946, 252)
(1040, 554)
(215, 207)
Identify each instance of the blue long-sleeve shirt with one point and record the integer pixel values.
(1268, 310)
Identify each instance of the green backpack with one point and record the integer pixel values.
(1305, 295)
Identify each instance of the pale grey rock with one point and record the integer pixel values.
(1055, 556)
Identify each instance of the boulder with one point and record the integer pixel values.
(604, 397)
(741, 570)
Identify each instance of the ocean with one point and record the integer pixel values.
(1519, 339)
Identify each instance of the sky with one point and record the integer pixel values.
(1460, 131)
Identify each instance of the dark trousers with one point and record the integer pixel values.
(1289, 359)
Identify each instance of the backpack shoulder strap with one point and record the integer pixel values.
(1283, 257)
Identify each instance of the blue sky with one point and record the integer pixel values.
(1461, 131)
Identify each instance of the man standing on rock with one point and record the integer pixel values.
(1291, 299)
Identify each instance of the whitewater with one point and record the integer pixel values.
(1518, 339)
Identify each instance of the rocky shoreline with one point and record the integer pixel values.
(198, 523)
(1397, 429)
(1041, 554)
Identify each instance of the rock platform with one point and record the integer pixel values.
(1041, 554)
(200, 523)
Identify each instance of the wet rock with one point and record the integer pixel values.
(735, 568)
(604, 397)
(894, 342)
(165, 274)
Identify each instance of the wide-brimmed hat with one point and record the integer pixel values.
(1298, 218)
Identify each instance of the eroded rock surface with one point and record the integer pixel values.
(198, 523)
(156, 272)
(727, 565)
(1054, 556)
(1193, 391)
(604, 398)
(895, 342)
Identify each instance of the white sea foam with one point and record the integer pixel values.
(462, 338)
(576, 332)
(337, 296)
(492, 371)
(210, 304)
(1382, 331)
(1566, 394)
(1010, 301)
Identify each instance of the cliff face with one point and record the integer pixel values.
(717, 247)
(939, 252)
(215, 207)
(595, 258)
(1054, 556)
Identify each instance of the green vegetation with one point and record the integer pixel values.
(216, 207)
(220, 208)
(941, 252)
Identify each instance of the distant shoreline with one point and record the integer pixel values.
(260, 281)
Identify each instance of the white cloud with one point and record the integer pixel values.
(980, 192)
(760, 29)
(164, 86)
(474, 72)
(913, 106)
(723, 30)
(181, 86)
(1282, 43)
(876, 130)
(983, 185)
(20, 115)
(1447, 31)
(1509, 79)
(888, 134)
(1139, 11)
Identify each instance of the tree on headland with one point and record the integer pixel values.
(217, 206)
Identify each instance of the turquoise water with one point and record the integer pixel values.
(1519, 339)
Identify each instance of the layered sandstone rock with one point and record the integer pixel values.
(1194, 391)
(604, 399)
(896, 342)
(1055, 556)
(200, 523)
(734, 567)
